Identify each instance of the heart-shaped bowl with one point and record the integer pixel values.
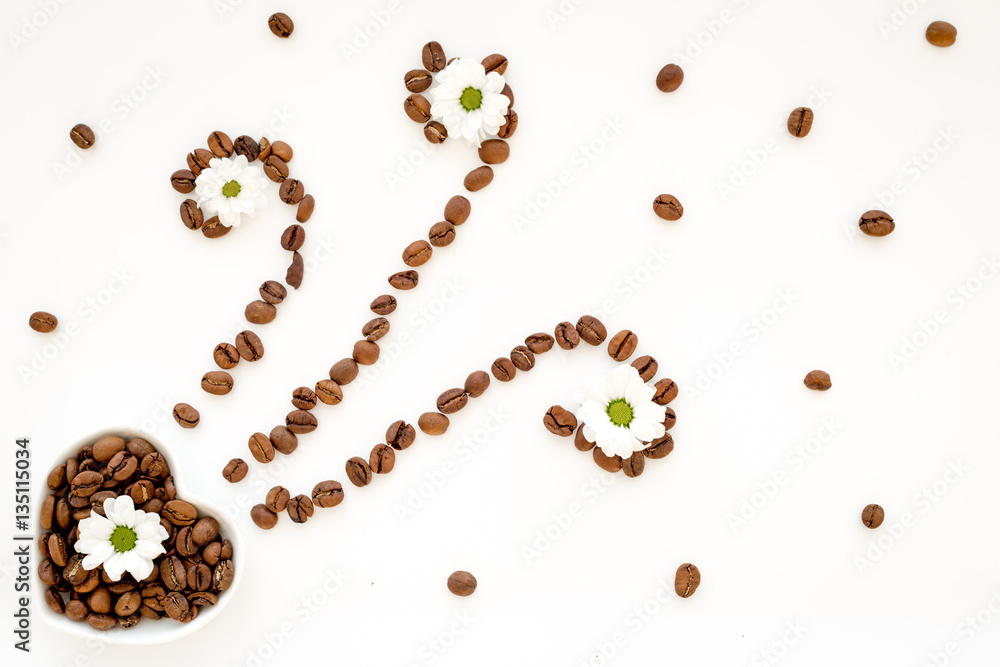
(147, 631)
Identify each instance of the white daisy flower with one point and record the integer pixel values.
(468, 101)
(231, 187)
(618, 412)
(126, 539)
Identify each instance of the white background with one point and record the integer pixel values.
(882, 98)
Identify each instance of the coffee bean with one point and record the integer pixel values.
(300, 508)
(494, 151)
(417, 253)
(452, 400)
(154, 466)
(666, 391)
(417, 80)
(508, 93)
(939, 33)
(277, 499)
(198, 160)
(220, 144)
(462, 583)
(404, 280)
(495, 63)
(506, 130)
(301, 422)
(122, 466)
(622, 345)
(107, 447)
(646, 366)
(669, 78)
(86, 483)
(297, 269)
(214, 229)
(293, 237)
(275, 169)
(477, 383)
(176, 605)
(226, 356)
(876, 223)
(76, 610)
(365, 352)
(560, 421)
(191, 214)
(329, 493)
(184, 542)
(457, 210)
(139, 448)
(305, 209)
(344, 371)
(417, 108)
(539, 343)
(102, 622)
(57, 549)
(818, 380)
(283, 439)
(247, 147)
(260, 312)
(304, 398)
(800, 121)
(180, 513)
(205, 530)
(634, 465)
(219, 383)
(199, 577)
(687, 580)
(43, 322)
(591, 330)
(261, 447)
(280, 25)
(669, 419)
(605, 462)
(202, 599)
(235, 471)
(382, 459)
(265, 149)
(503, 369)
(433, 423)
(329, 392)
(54, 600)
(282, 150)
(142, 490)
(57, 477)
(580, 441)
(872, 516)
(478, 178)
(48, 573)
(523, 358)
(375, 329)
(182, 180)
(291, 191)
(358, 471)
(383, 305)
(248, 346)
(433, 57)
(82, 136)
(400, 435)
(263, 518)
(668, 207)
(223, 574)
(435, 132)
(128, 603)
(566, 336)
(441, 234)
(172, 574)
(659, 447)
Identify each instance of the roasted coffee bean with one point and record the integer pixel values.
(478, 178)
(219, 383)
(503, 369)
(383, 305)
(247, 147)
(43, 322)
(417, 253)
(205, 530)
(64, 513)
(375, 329)
(329, 493)
(198, 160)
(128, 603)
(495, 63)
(508, 93)
(249, 346)
(939, 33)
(153, 596)
(280, 25)
(191, 214)
(634, 465)
(605, 462)
(182, 180)
(126, 622)
(433, 57)
(54, 600)
(304, 398)
(212, 553)
(666, 391)
(291, 191)
(452, 401)
(300, 422)
(72, 468)
(296, 270)
(669, 419)
(48, 572)
(523, 358)
(591, 330)
(566, 336)
(58, 551)
(97, 500)
(76, 610)
(102, 622)
(276, 169)
(800, 121)
(272, 292)
(404, 280)
(417, 108)
(344, 371)
(305, 209)
(226, 356)
(202, 599)
(435, 132)
(539, 343)
(358, 471)
(263, 518)
(176, 605)
(873, 516)
(646, 366)
(139, 448)
(687, 580)
(457, 210)
(400, 435)
(155, 506)
(299, 508)
(107, 447)
(172, 573)
(329, 392)
(184, 542)
(509, 126)
(381, 460)
(261, 447)
(265, 149)
(366, 352)
(282, 150)
(220, 144)
(277, 499)
(560, 421)
(876, 223)
(235, 470)
(462, 583)
(433, 423)
(260, 312)
(477, 383)
(82, 136)
(441, 234)
(417, 80)
(140, 491)
(214, 229)
(580, 441)
(122, 466)
(622, 345)
(494, 151)
(57, 477)
(180, 513)
(669, 78)
(186, 416)
(74, 572)
(818, 380)
(668, 207)
(85, 483)
(659, 447)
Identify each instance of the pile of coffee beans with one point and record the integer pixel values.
(196, 568)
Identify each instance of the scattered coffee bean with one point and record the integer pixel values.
(282, 150)
(508, 93)
(580, 441)
(646, 367)
(495, 63)
(876, 223)
(198, 160)
(291, 191)
(300, 508)
(622, 345)
(214, 229)
(273, 292)
(375, 329)
(539, 343)
(494, 151)
(503, 369)
(276, 169)
(605, 462)
(634, 465)
(522, 358)
(417, 80)
(84, 137)
(365, 352)
(400, 435)
(433, 423)
(404, 280)
(668, 207)
(457, 210)
(452, 400)
(433, 57)
(328, 494)
(382, 459)
(280, 25)
(506, 130)
(800, 121)
(417, 108)
(304, 398)
(666, 391)
(43, 322)
(383, 305)
(687, 580)
(669, 418)
(247, 147)
(939, 33)
(417, 253)
(182, 180)
(566, 336)
(478, 178)
(265, 149)
(560, 421)
(220, 144)
(872, 516)
(818, 380)
(249, 346)
(358, 471)
(264, 518)
(305, 209)
(226, 356)
(219, 383)
(284, 440)
(329, 392)
(669, 78)
(261, 447)
(235, 471)
(296, 270)
(293, 237)
(441, 234)
(477, 383)
(462, 583)
(344, 371)
(186, 416)
(659, 447)
(191, 214)
(435, 132)
(277, 499)
(301, 422)
(591, 330)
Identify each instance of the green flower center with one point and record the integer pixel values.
(620, 412)
(471, 99)
(123, 539)
(231, 189)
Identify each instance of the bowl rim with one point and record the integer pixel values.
(138, 636)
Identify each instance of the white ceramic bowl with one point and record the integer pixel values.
(146, 631)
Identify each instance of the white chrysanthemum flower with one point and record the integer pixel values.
(126, 539)
(231, 187)
(468, 101)
(618, 412)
